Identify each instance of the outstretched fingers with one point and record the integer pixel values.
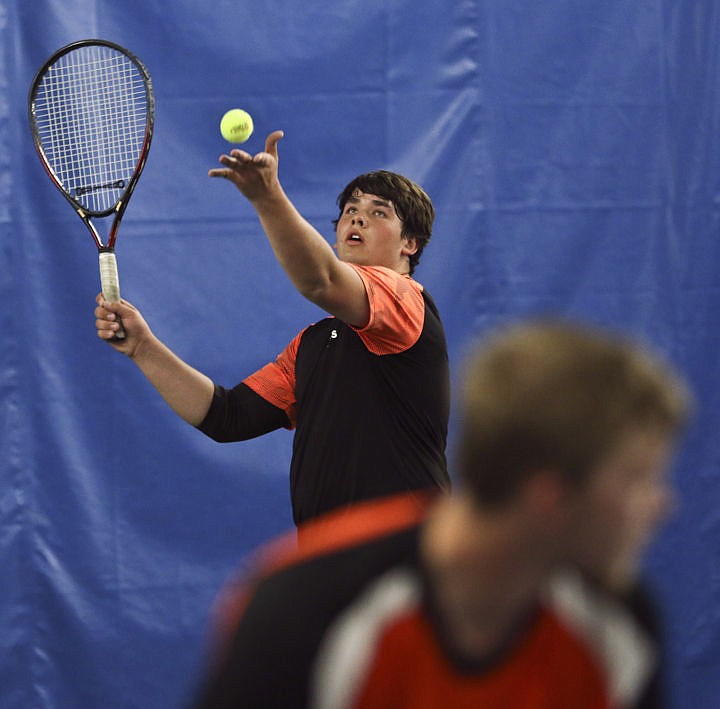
(238, 162)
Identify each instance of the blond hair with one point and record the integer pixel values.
(555, 395)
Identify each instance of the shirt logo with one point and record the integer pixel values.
(333, 334)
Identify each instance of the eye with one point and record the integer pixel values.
(380, 213)
(350, 210)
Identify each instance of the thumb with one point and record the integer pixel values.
(271, 143)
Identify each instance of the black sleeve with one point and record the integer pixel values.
(269, 661)
(239, 413)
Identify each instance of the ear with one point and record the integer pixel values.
(410, 246)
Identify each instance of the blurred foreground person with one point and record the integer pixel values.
(519, 590)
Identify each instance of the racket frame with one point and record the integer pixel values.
(107, 260)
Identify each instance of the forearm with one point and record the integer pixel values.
(310, 262)
(187, 391)
(303, 253)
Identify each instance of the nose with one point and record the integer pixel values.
(660, 504)
(358, 219)
(667, 503)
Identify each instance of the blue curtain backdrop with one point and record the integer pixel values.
(571, 149)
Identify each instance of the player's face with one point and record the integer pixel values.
(621, 509)
(369, 233)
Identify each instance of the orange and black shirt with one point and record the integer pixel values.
(342, 616)
(369, 405)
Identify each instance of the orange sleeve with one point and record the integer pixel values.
(397, 310)
(275, 382)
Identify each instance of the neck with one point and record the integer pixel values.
(485, 572)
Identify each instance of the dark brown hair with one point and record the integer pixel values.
(410, 201)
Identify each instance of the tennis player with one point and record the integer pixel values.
(521, 589)
(366, 389)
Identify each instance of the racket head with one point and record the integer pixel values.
(91, 109)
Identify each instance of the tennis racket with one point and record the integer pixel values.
(92, 110)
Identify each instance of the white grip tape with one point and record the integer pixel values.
(109, 278)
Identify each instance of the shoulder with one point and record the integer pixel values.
(321, 541)
(320, 568)
(618, 631)
(387, 279)
(279, 615)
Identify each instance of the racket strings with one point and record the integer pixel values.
(91, 113)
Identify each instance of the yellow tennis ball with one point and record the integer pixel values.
(236, 125)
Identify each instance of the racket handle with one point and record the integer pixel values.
(110, 282)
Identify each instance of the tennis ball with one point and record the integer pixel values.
(236, 125)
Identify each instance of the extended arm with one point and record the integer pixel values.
(306, 257)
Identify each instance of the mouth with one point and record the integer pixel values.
(353, 239)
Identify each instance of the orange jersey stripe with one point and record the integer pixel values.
(336, 530)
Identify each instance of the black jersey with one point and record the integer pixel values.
(347, 620)
(369, 405)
